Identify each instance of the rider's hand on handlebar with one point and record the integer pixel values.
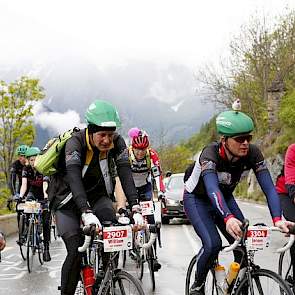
(233, 227)
(135, 208)
(138, 219)
(89, 218)
(284, 225)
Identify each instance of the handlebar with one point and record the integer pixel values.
(244, 228)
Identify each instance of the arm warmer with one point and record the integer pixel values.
(215, 195)
(273, 201)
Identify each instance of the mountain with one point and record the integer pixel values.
(158, 98)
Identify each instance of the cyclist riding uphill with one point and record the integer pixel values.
(145, 165)
(209, 184)
(34, 187)
(85, 191)
(16, 170)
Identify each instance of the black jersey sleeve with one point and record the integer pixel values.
(73, 163)
(256, 159)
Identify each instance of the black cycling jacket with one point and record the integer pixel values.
(95, 182)
(15, 174)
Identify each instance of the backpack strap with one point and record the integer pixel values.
(89, 154)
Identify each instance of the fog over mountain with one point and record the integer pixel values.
(159, 98)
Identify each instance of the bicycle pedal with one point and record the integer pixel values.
(58, 288)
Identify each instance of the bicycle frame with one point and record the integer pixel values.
(248, 258)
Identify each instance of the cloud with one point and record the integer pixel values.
(56, 122)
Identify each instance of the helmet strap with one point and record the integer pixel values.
(233, 157)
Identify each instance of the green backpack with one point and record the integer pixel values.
(47, 161)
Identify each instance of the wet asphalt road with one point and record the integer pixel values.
(180, 243)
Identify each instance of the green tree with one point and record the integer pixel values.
(16, 125)
(261, 56)
(175, 158)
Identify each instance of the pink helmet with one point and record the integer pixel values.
(139, 138)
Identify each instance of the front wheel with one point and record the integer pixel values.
(31, 247)
(286, 269)
(124, 283)
(21, 235)
(210, 285)
(264, 281)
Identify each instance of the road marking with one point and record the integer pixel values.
(7, 249)
(194, 243)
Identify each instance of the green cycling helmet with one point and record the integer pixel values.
(32, 151)
(21, 150)
(103, 114)
(232, 123)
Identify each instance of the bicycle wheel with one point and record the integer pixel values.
(40, 246)
(286, 270)
(31, 248)
(210, 285)
(139, 260)
(264, 281)
(21, 236)
(150, 260)
(124, 283)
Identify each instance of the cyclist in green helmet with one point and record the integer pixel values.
(209, 184)
(84, 187)
(34, 187)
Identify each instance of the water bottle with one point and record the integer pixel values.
(220, 276)
(232, 273)
(88, 278)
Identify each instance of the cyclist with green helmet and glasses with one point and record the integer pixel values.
(34, 186)
(16, 170)
(209, 184)
(81, 191)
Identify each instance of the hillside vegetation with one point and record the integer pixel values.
(261, 73)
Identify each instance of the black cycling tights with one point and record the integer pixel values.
(71, 267)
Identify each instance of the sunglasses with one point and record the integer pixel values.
(242, 138)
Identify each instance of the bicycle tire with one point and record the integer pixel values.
(150, 261)
(282, 288)
(40, 246)
(20, 236)
(210, 285)
(119, 286)
(288, 276)
(30, 247)
(150, 257)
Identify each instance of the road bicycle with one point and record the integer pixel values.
(286, 269)
(34, 241)
(251, 278)
(101, 254)
(143, 251)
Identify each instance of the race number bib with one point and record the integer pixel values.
(117, 238)
(147, 208)
(258, 237)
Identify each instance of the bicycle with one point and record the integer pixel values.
(53, 227)
(22, 229)
(286, 269)
(108, 278)
(250, 279)
(34, 241)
